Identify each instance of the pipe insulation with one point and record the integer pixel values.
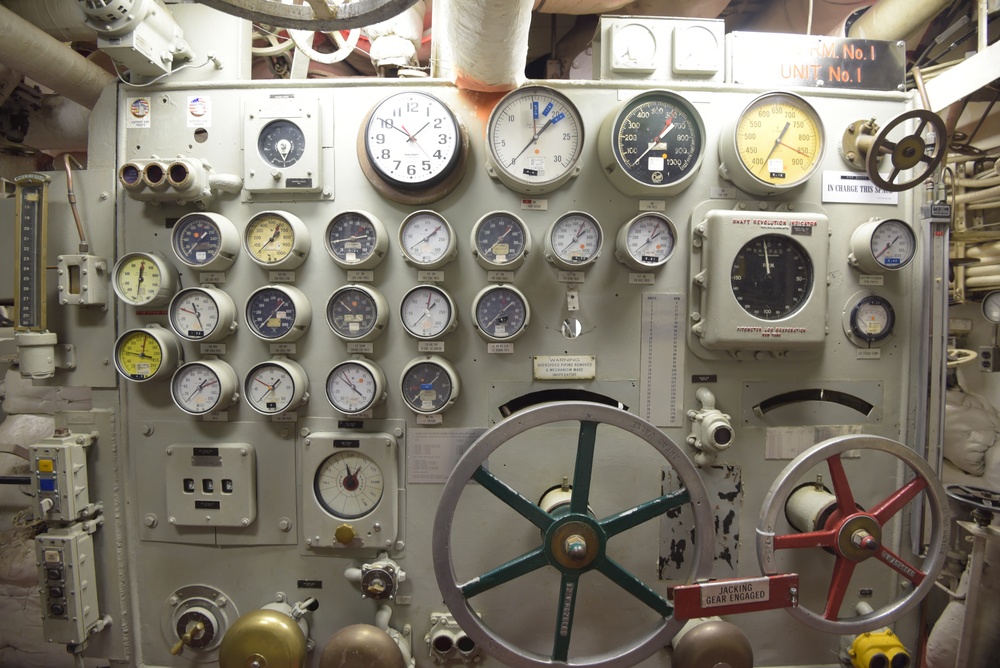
(60, 19)
(489, 43)
(48, 61)
(895, 19)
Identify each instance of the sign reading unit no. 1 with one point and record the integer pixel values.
(829, 62)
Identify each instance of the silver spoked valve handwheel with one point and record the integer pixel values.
(573, 541)
(854, 535)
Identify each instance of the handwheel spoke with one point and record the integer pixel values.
(893, 561)
(810, 539)
(584, 467)
(513, 498)
(894, 174)
(644, 512)
(633, 585)
(564, 617)
(841, 487)
(895, 501)
(887, 147)
(929, 159)
(843, 569)
(515, 568)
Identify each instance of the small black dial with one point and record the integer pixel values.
(356, 313)
(429, 385)
(356, 240)
(500, 240)
(500, 312)
(278, 313)
(281, 143)
(771, 276)
(658, 139)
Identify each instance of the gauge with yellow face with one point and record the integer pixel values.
(146, 354)
(277, 240)
(774, 145)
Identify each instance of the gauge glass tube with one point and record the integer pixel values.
(356, 240)
(278, 313)
(771, 276)
(355, 386)
(893, 244)
(205, 241)
(500, 240)
(427, 312)
(873, 319)
(275, 387)
(356, 313)
(426, 240)
(203, 387)
(348, 484)
(646, 242)
(144, 279)
(574, 240)
(429, 385)
(779, 142)
(500, 312)
(281, 143)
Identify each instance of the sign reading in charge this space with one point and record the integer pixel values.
(768, 59)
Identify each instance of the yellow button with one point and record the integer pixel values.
(45, 465)
(345, 534)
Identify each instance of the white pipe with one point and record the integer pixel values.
(58, 18)
(489, 42)
(895, 19)
(580, 6)
(48, 61)
(792, 16)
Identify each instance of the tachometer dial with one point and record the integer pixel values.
(880, 246)
(427, 240)
(427, 312)
(277, 240)
(646, 242)
(278, 313)
(205, 386)
(276, 386)
(357, 313)
(429, 384)
(653, 144)
(771, 276)
(500, 313)
(147, 354)
(500, 241)
(281, 143)
(355, 386)
(349, 484)
(356, 240)
(535, 137)
(205, 241)
(573, 241)
(144, 279)
(202, 314)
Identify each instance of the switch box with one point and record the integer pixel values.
(59, 475)
(67, 583)
(211, 484)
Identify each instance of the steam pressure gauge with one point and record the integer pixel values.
(646, 242)
(427, 312)
(202, 314)
(774, 145)
(278, 313)
(276, 386)
(205, 241)
(880, 246)
(500, 313)
(144, 279)
(277, 240)
(535, 137)
(869, 320)
(429, 384)
(427, 240)
(573, 241)
(205, 386)
(145, 354)
(356, 240)
(355, 386)
(500, 241)
(357, 313)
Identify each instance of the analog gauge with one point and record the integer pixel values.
(427, 312)
(281, 143)
(573, 241)
(412, 141)
(357, 313)
(144, 279)
(871, 319)
(203, 387)
(356, 240)
(427, 240)
(205, 241)
(348, 484)
(147, 354)
(500, 241)
(429, 384)
(278, 313)
(535, 137)
(355, 386)
(775, 144)
(277, 240)
(202, 314)
(276, 386)
(878, 246)
(500, 313)
(991, 307)
(653, 144)
(646, 242)
(771, 276)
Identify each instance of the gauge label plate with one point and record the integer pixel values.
(854, 188)
(564, 367)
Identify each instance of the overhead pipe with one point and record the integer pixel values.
(892, 19)
(793, 17)
(32, 52)
(59, 18)
(488, 43)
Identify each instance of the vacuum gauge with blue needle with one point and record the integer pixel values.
(882, 246)
(429, 384)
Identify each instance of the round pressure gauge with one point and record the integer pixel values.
(277, 240)
(991, 307)
(355, 386)
(573, 241)
(427, 240)
(427, 312)
(429, 384)
(879, 246)
(500, 313)
(535, 137)
(205, 241)
(278, 313)
(202, 314)
(357, 313)
(771, 276)
(870, 320)
(348, 484)
(646, 242)
(356, 240)
(276, 386)
(144, 279)
(775, 144)
(281, 143)
(652, 144)
(147, 354)
(203, 387)
(500, 241)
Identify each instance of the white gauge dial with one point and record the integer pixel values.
(991, 307)
(427, 312)
(202, 314)
(429, 384)
(144, 279)
(355, 386)
(356, 240)
(646, 242)
(501, 241)
(535, 137)
(277, 240)
(500, 313)
(427, 240)
(573, 241)
(276, 386)
(349, 484)
(880, 246)
(203, 387)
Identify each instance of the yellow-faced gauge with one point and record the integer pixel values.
(144, 279)
(277, 240)
(775, 144)
(147, 354)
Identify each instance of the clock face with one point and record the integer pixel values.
(412, 140)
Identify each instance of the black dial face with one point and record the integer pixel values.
(352, 313)
(196, 240)
(501, 313)
(872, 319)
(658, 139)
(271, 313)
(771, 276)
(426, 387)
(351, 238)
(281, 143)
(500, 238)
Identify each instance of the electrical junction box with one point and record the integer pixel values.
(659, 49)
(68, 584)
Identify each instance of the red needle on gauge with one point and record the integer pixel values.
(667, 127)
(577, 236)
(887, 247)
